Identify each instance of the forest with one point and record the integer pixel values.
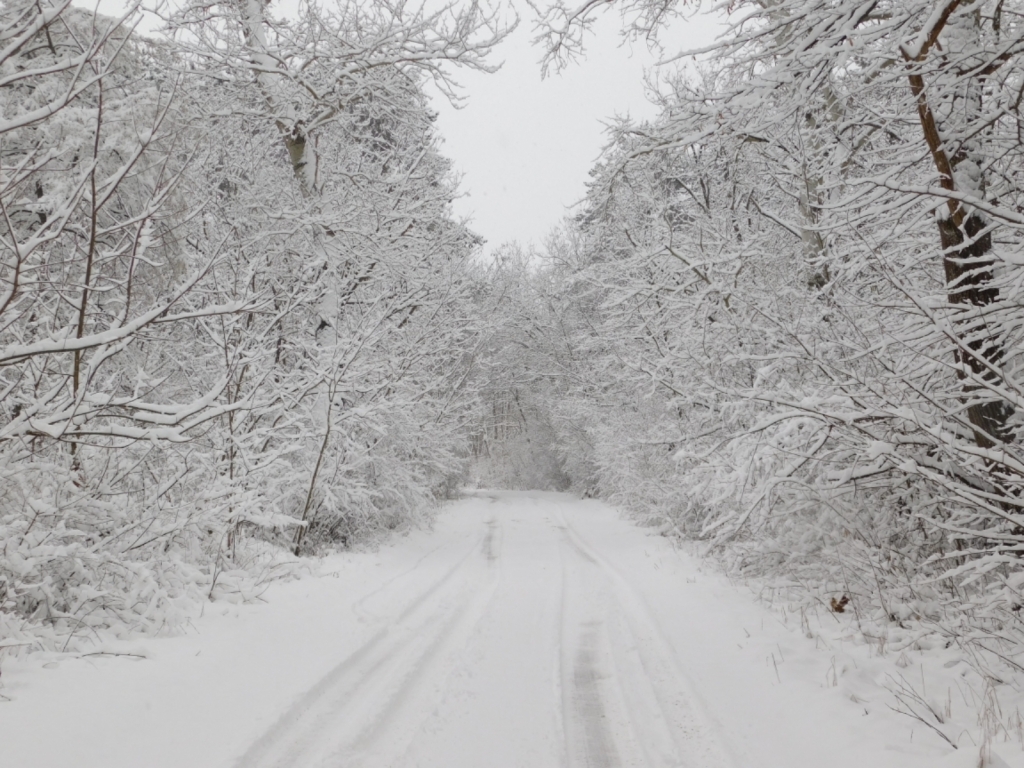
(240, 323)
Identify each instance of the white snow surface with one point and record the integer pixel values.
(525, 629)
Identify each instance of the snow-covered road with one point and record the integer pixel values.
(527, 629)
(519, 646)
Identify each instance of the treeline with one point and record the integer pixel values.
(236, 312)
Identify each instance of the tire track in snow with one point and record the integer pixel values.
(647, 713)
(597, 746)
(588, 741)
(353, 715)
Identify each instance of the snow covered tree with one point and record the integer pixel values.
(816, 247)
(100, 297)
(233, 304)
(520, 373)
(361, 254)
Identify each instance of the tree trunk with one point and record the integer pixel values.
(966, 245)
(968, 262)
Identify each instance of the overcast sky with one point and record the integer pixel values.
(524, 146)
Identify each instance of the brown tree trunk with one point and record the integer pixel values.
(968, 263)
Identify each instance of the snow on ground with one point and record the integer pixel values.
(526, 629)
